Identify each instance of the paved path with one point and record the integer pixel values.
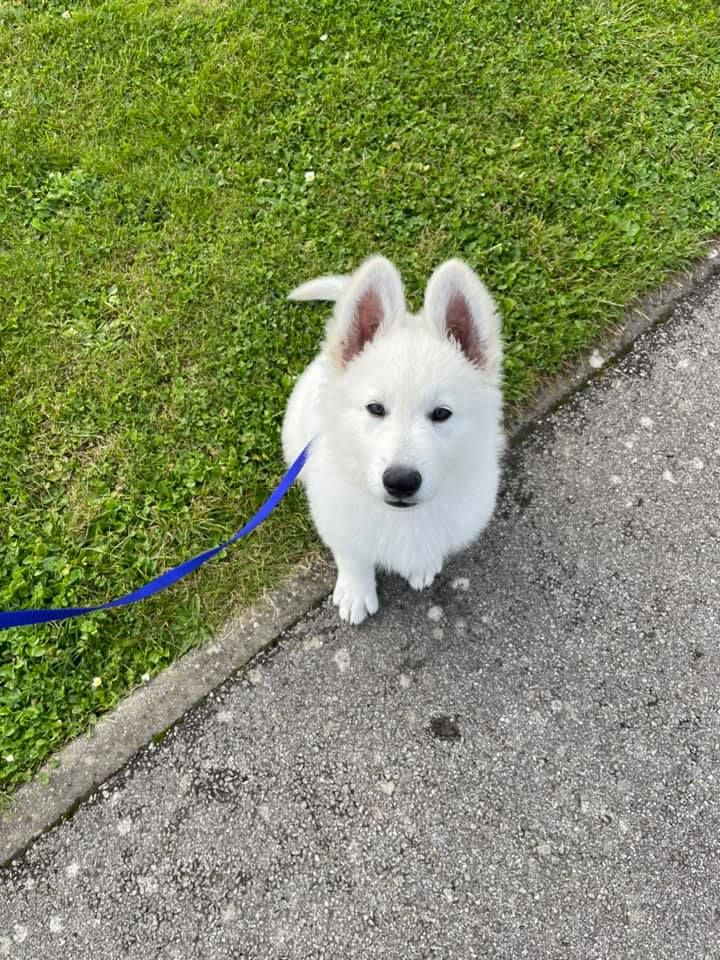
(523, 763)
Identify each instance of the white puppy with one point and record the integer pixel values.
(404, 413)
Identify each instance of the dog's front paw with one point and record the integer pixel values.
(423, 579)
(355, 598)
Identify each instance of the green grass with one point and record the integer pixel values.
(154, 212)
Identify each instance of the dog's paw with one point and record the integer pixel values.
(423, 579)
(355, 599)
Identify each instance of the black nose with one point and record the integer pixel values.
(401, 481)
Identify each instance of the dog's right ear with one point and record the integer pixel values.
(372, 301)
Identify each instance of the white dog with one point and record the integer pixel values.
(404, 413)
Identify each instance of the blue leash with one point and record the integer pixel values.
(22, 618)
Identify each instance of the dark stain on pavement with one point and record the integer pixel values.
(445, 728)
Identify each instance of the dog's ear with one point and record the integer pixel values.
(459, 307)
(372, 302)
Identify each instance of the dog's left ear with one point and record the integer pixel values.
(372, 302)
(459, 306)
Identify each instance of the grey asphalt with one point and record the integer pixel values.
(524, 762)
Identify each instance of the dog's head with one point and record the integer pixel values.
(412, 402)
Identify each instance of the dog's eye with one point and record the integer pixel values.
(376, 409)
(439, 414)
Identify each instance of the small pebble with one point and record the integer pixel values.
(312, 643)
(342, 660)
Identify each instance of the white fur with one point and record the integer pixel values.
(411, 365)
(322, 288)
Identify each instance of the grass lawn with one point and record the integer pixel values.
(156, 204)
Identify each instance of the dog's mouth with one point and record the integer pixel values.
(401, 503)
